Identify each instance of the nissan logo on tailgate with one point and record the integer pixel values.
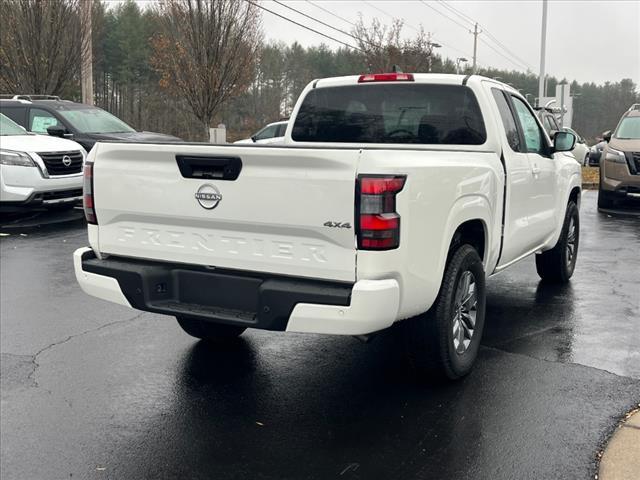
(208, 196)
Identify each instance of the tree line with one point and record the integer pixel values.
(181, 66)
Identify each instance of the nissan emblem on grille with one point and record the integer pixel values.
(66, 160)
(208, 196)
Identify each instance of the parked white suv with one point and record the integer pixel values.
(394, 197)
(38, 170)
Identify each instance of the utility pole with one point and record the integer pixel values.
(543, 47)
(86, 55)
(475, 33)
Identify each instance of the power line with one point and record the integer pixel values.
(391, 16)
(446, 16)
(326, 24)
(331, 13)
(414, 28)
(472, 21)
(519, 63)
(457, 12)
(502, 54)
(303, 26)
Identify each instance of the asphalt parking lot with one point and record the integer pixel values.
(95, 390)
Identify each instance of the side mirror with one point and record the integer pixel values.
(57, 131)
(564, 141)
(607, 136)
(254, 138)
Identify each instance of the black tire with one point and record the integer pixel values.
(429, 338)
(605, 201)
(209, 331)
(557, 265)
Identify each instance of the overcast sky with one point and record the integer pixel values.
(586, 40)
(589, 41)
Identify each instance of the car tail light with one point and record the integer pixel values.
(378, 223)
(87, 194)
(385, 77)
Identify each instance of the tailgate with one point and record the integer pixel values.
(280, 215)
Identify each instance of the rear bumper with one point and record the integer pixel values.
(250, 299)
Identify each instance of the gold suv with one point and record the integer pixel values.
(620, 161)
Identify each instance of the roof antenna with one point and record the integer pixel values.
(396, 69)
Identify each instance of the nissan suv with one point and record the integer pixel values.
(38, 170)
(620, 161)
(84, 124)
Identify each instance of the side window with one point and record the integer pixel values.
(533, 137)
(509, 123)
(268, 132)
(281, 130)
(17, 114)
(40, 120)
(547, 123)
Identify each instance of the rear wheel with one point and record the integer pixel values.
(444, 341)
(557, 265)
(211, 332)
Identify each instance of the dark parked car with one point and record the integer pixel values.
(595, 153)
(84, 124)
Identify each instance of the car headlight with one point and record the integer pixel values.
(22, 159)
(615, 156)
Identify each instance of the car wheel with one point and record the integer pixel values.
(444, 341)
(208, 331)
(557, 265)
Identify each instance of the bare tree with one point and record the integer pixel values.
(384, 47)
(41, 44)
(206, 51)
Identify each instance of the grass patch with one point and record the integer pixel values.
(590, 175)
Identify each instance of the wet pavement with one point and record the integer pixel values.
(95, 390)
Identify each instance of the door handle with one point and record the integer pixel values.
(535, 169)
(209, 167)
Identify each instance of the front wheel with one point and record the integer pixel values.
(208, 331)
(444, 341)
(557, 265)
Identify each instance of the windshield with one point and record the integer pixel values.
(629, 128)
(94, 120)
(391, 113)
(9, 127)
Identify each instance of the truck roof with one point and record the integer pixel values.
(439, 78)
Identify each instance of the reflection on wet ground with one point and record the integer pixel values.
(94, 390)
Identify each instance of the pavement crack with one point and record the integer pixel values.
(495, 348)
(34, 357)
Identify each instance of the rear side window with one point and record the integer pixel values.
(508, 121)
(17, 114)
(391, 113)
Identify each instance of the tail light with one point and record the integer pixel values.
(87, 194)
(385, 77)
(378, 223)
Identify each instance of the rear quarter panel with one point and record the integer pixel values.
(444, 189)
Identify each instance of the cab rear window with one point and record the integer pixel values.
(391, 113)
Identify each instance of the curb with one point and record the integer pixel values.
(621, 457)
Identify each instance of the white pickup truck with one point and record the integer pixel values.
(393, 198)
